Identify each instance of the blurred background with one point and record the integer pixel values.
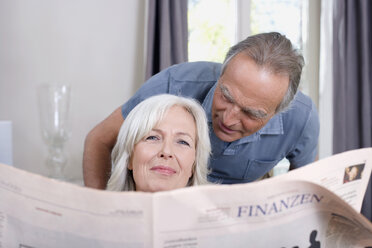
(94, 46)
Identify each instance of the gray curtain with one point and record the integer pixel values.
(167, 34)
(352, 67)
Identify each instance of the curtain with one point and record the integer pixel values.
(352, 88)
(167, 34)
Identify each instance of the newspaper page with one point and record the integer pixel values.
(39, 212)
(345, 174)
(264, 214)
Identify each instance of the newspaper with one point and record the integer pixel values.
(291, 210)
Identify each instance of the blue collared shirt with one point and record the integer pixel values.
(292, 134)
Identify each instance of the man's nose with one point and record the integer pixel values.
(231, 115)
(166, 150)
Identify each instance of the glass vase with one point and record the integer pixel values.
(54, 106)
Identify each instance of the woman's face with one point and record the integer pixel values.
(164, 158)
(353, 173)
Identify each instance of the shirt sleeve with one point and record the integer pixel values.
(306, 148)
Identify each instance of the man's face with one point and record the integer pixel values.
(246, 98)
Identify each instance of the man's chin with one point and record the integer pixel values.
(226, 137)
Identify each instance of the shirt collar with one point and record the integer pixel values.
(273, 126)
(207, 103)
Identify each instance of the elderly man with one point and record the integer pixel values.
(256, 116)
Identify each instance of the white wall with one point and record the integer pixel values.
(96, 46)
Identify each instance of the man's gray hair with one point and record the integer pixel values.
(277, 54)
(140, 121)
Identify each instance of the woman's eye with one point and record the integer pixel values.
(182, 142)
(152, 137)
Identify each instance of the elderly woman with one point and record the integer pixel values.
(163, 144)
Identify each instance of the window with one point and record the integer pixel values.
(211, 29)
(216, 25)
(291, 18)
(267, 16)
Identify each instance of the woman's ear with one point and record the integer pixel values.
(130, 166)
(193, 169)
(191, 178)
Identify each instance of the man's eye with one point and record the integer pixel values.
(183, 142)
(227, 99)
(152, 137)
(249, 114)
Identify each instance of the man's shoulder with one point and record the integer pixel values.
(301, 110)
(190, 79)
(200, 71)
(301, 103)
(183, 74)
(301, 125)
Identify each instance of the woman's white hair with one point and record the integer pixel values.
(140, 121)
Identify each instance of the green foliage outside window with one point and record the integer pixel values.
(211, 29)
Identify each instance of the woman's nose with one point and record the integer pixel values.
(166, 150)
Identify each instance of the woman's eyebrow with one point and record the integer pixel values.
(185, 134)
(177, 133)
